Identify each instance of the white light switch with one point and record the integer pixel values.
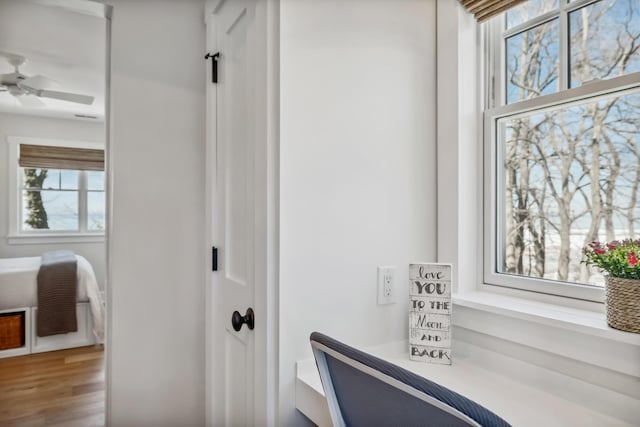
(386, 285)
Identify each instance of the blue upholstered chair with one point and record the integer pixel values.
(365, 391)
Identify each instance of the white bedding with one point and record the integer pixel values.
(18, 287)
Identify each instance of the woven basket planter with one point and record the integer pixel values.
(623, 304)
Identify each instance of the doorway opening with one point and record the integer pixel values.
(54, 62)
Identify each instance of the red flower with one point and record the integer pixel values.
(613, 245)
(599, 251)
(631, 257)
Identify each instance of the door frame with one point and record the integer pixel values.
(108, 15)
(103, 9)
(266, 261)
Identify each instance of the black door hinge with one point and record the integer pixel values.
(214, 65)
(214, 258)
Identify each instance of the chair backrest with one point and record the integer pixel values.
(363, 390)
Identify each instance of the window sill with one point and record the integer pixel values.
(26, 239)
(560, 335)
(572, 319)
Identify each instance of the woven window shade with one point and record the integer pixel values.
(485, 9)
(46, 157)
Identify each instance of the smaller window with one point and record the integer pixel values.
(603, 40)
(60, 190)
(532, 62)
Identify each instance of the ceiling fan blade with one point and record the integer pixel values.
(30, 101)
(29, 52)
(13, 58)
(66, 96)
(38, 82)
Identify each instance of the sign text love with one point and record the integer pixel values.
(430, 313)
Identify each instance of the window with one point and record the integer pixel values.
(562, 141)
(59, 190)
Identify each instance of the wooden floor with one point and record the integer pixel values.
(58, 388)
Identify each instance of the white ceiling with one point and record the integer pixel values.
(69, 47)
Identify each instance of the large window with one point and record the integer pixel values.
(59, 190)
(562, 141)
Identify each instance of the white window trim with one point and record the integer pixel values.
(494, 64)
(55, 239)
(15, 235)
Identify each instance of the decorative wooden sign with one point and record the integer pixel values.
(430, 313)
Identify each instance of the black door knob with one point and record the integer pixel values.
(237, 319)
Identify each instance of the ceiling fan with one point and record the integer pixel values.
(27, 89)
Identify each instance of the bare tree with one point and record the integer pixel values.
(578, 167)
(36, 213)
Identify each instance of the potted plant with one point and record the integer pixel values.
(619, 260)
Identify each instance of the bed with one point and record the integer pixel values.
(18, 289)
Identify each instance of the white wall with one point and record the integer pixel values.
(156, 340)
(357, 169)
(41, 127)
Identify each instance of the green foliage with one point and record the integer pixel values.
(36, 213)
(619, 259)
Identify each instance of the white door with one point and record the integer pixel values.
(236, 144)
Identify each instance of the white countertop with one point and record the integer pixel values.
(521, 393)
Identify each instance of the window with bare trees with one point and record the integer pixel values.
(56, 190)
(562, 141)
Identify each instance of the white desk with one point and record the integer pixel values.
(521, 393)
